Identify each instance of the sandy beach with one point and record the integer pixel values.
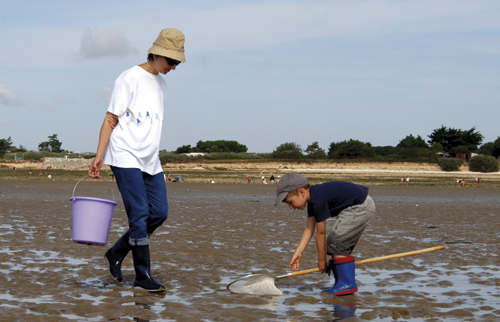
(217, 233)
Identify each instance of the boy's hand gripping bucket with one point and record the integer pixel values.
(92, 218)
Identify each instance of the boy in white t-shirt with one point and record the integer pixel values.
(129, 142)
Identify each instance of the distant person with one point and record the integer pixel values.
(249, 180)
(478, 181)
(264, 180)
(407, 181)
(463, 183)
(129, 142)
(403, 181)
(272, 179)
(353, 208)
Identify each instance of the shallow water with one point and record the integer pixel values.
(216, 234)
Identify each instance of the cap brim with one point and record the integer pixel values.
(280, 197)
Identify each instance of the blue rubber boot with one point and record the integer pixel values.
(344, 272)
(116, 254)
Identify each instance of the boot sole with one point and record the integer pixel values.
(160, 290)
(346, 292)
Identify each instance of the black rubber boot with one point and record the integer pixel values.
(142, 265)
(116, 254)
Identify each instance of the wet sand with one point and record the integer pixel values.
(217, 233)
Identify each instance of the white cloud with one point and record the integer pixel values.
(8, 97)
(97, 43)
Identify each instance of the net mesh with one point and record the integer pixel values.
(255, 284)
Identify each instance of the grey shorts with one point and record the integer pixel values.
(350, 224)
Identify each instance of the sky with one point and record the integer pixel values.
(262, 73)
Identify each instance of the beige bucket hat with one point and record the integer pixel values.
(170, 43)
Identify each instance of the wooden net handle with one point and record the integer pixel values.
(415, 252)
(371, 260)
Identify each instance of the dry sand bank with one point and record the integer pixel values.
(381, 173)
(384, 173)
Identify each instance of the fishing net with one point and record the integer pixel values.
(255, 284)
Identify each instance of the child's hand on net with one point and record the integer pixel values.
(295, 262)
(322, 266)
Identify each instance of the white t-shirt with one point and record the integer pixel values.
(138, 97)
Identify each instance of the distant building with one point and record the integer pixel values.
(466, 156)
(195, 154)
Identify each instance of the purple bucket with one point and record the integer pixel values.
(91, 219)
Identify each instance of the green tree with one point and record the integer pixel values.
(354, 149)
(334, 147)
(461, 149)
(450, 164)
(437, 147)
(52, 145)
(412, 142)
(6, 145)
(487, 148)
(44, 146)
(315, 152)
(55, 144)
(452, 138)
(221, 146)
(483, 163)
(199, 144)
(491, 148)
(387, 150)
(289, 150)
(21, 148)
(184, 149)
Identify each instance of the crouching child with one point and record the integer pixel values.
(353, 209)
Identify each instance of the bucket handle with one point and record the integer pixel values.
(89, 176)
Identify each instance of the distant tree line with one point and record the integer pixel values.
(52, 145)
(443, 142)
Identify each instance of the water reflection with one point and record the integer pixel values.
(344, 310)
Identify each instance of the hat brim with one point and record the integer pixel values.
(177, 55)
(280, 197)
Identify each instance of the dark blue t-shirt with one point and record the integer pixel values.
(330, 198)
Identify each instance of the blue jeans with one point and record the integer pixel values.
(145, 200)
